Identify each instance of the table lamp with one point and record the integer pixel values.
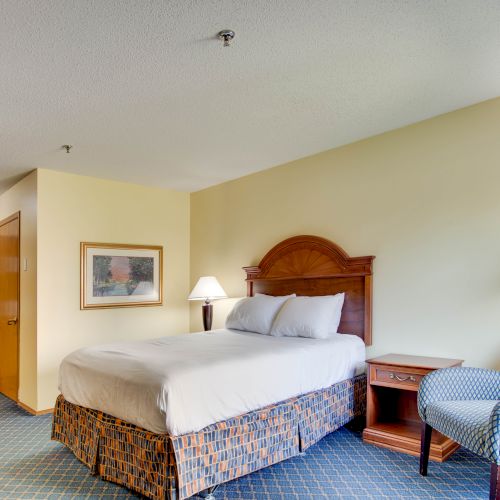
(207, 289)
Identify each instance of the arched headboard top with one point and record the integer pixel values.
(311, 265)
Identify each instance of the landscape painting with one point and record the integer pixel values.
(120, 275)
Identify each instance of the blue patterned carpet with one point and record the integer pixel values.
(339, 466)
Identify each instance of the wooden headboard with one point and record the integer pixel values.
(310, 265)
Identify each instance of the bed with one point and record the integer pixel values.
(244, 424)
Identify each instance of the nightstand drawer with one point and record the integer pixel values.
(394, 377)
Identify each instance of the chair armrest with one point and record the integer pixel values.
(492, 447)
(458, 384)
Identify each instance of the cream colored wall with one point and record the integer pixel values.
(425, 200)
(23, 198)
(72, 209)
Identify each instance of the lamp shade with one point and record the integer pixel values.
(207, 288)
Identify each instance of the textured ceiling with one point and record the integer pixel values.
(146, 94)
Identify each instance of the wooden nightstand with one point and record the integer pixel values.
(392, 419)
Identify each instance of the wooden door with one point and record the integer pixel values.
(9, 306)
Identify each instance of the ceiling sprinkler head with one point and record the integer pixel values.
(67, 147)
(227, 36)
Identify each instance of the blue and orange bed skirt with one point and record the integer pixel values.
(161, 466)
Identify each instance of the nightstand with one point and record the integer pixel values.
(392, 419)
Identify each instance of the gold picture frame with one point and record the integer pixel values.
(120, 275)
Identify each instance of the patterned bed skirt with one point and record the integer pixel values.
(177, 467)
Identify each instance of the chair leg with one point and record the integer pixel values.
(425, 446)
(495, 482)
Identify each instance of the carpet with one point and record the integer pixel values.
(339, 466)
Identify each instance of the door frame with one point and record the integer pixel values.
(13, 217)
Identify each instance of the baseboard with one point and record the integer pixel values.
(34, 412)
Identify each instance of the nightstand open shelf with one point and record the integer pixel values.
(404, 436)
(392, 419)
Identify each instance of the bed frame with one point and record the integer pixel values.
(177, 467)
(310, 265)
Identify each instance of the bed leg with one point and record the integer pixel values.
(357, 424)
(208, 494)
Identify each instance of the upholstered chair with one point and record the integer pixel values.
(463, 404)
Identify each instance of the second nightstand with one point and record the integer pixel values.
(392, 419)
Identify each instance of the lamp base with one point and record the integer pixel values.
(207, 312)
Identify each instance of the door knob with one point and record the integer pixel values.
(12, 321)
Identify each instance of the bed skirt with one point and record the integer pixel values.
(176, 467)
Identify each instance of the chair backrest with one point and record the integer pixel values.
(458, 384)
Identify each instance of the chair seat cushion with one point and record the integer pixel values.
(466, 422)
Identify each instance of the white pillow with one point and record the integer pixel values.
(311, 317)
(255, 314)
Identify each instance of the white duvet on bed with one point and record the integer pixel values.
(183, 383)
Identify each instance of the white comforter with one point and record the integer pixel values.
(183, 383)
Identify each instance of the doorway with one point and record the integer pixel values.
(9, 306)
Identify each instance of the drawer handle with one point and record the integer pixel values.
(410, 378)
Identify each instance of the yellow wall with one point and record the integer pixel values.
(425, 200)
(23, 198)
(72, 209)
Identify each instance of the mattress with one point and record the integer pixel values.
(184, 383)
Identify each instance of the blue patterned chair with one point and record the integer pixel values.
(463, 404)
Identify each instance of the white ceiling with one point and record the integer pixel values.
(147, 94)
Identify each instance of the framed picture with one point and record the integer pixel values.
(115, 275)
